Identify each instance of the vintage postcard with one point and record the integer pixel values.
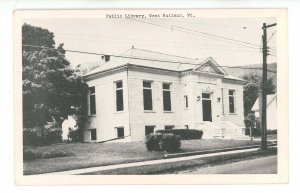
(151, 96)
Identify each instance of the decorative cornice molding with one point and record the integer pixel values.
(138, 68)
(152, 70)
(193, 72)
(105, 73)
(233, 81)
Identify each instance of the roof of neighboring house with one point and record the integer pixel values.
(146, 58)
(270, 98)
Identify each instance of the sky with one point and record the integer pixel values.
(182, 37)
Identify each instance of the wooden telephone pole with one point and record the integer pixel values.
(263, 123)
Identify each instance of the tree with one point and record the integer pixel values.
(252, 88)
(50, 85)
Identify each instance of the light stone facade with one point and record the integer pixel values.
(190, 83)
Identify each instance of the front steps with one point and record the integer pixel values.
(226, 130)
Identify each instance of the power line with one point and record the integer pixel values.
(215, 47)
(137, 58)
(68, 36)
(271, 36)
(217, 25)
(221, 38)
(217, 36)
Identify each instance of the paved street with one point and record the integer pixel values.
(266, 165)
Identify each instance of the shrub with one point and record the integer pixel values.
(153, 141)
(184, 134)
(53, 154)
(41, 136)
(250, 120)
(256, 132)
(76, 136)
(163, 142)
(30, 154)
(271, 132)
(170, 142)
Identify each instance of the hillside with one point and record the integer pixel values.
(239, 72)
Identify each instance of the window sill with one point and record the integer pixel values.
(119, 112)
(186, 109)
(168, 112)
(149, 111)
(93, 115)
(232, 114)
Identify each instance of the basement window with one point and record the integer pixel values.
(149, 129)
(93, 134)
(120, 132)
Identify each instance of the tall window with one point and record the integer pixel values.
(167, 96)
(92, 101)
(147, 94)
(186, 102)
(119, 96)
(231, 101)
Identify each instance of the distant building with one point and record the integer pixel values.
(271, 111)
(130, 97)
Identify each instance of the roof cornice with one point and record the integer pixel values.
(195, 72)
(139, 68)
(105, 73)
(234, 81)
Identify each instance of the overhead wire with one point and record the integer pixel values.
(68, 36)
(132, 57)
(217, 25)
(234, 49)
(271, 36)
(211, 36)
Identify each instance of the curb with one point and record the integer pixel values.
(175, 155)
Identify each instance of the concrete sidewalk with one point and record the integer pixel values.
(146, 163)
(270, 144)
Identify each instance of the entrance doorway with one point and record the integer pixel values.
(206, 107)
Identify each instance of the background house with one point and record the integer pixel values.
(271, 111)
(143, 91)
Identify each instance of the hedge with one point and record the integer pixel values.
(163, 142)
(271, 132)
(256, 132)
(184, 134)
(30, 154)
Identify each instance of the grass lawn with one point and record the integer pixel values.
(100, 154)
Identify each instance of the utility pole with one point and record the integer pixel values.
(265, 51)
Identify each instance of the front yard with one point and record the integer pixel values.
(99, 154)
